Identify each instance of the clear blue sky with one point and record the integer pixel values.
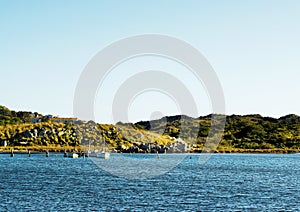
(254, 47)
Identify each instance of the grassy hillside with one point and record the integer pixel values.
(241, 132)
(250, 133)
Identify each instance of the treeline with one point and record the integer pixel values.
(12, 117)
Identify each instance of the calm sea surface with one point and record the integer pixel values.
(225, 182)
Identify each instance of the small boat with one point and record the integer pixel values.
(98, 154)
(72, 155)
(104, 155)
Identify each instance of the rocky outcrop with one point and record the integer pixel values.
(178, 146)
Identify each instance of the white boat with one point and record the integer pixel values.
(104, 155)
(72, 155)
(99, 154)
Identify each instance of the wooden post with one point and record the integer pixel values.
(11, 153)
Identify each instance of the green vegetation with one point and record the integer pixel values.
(11, 117)
(250, 133)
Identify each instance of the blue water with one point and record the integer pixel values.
(225, 182)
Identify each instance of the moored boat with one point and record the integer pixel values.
(99, 154)
(104, 155)
(72, 155)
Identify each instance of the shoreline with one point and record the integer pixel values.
(62, 149)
